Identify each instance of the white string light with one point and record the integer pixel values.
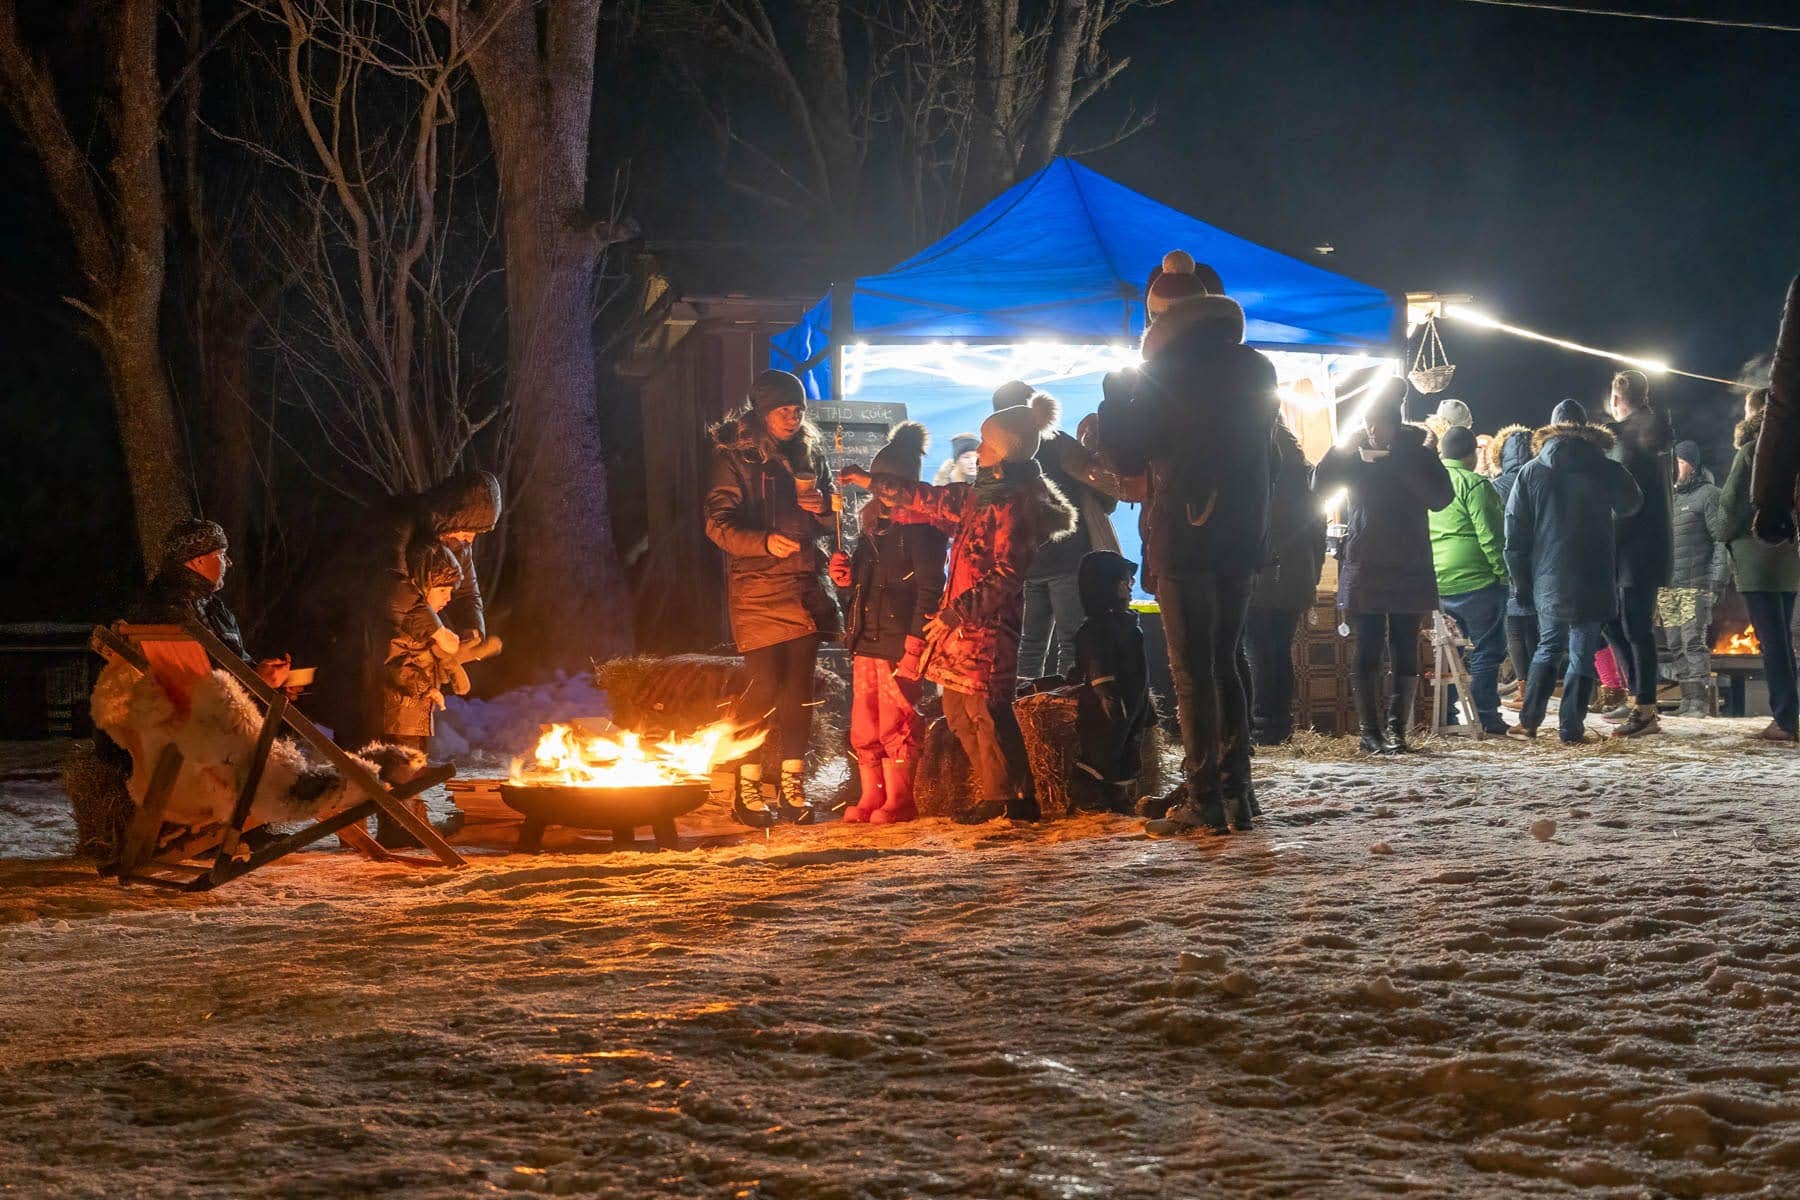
(1650, 366)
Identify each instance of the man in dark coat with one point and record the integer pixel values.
(1560, 554)
(1283, 591)
(1112, 681)
(1775, 478)
(1052, 596)
(1512, 450)
(1701, 569)
(1646, 545)
(1196, 420)
(195, 557)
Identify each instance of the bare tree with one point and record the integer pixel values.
(378, 265)
(533, 62)
(112, 203)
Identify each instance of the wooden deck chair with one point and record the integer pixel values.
(1449, 667)
(199, 859)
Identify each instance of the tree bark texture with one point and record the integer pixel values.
(568, 596)
(118, 246)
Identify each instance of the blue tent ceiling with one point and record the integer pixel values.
(1064, 256)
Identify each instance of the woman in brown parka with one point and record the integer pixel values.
(767, 507)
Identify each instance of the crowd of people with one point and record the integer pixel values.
(1585, 548)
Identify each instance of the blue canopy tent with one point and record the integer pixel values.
(1046, 283)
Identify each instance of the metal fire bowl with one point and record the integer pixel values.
(620, 810)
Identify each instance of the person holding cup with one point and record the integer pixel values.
(767, 506)
(1387, 581)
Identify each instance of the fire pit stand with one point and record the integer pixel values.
(1736, 671)
(619, 810)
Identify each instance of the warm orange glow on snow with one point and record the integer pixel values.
(1738, 643)
(574, 757)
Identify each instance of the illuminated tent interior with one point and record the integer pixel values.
(1046, 284)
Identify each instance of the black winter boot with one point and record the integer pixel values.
(1238, 788)
(1539, 683)
(1366, 690)
(1400, 711)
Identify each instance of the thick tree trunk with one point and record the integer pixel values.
(226, 466)
(996, 86)
(569, 600)
(147, 430)
(1055, 102)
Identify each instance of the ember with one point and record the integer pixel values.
(1743, 642)
(603, 756)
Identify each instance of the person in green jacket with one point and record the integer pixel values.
(1468, 549)
(1767, 575)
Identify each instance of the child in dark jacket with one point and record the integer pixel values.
(422, 653)
(972, 642)
(1112, 682)
(889, 588)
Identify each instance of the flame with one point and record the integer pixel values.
(573, 757)
(1738, 643)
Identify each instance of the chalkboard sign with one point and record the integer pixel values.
(854, 433)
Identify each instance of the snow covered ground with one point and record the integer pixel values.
(1392, 988)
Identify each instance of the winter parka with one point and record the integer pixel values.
(178, 594)
(1195, 420)
(467, 502)
(997, 525)
(1296, 532)
(1468, 535)
(415, 665)
(1756, 565)
(1068, 466)
(1559, 527)
(896, 582)
(1775, 481)
(1112, 703)
(1385, 564)
(1700, 559)
(751, 495)
(1645, 445)
(1511, 448)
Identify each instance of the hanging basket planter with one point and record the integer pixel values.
(1432, 369)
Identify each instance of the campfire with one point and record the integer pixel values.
(600, 755)
(1742, 642)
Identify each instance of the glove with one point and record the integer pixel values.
(1773, 525)
(839, 569)
(459, 679)
(909, 661)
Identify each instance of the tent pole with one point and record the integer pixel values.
(843, 325)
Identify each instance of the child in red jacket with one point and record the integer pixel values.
(972, 643)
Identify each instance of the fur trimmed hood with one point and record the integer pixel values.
(1497, 447)
(1598, 436)
(1199, 321)
(745, 432)
(1744, 436)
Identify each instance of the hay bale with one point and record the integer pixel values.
(1048, 722)
(944, 782)
(101, 805)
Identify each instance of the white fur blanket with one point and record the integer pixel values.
(217, 739)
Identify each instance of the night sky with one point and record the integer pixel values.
(1627, 184)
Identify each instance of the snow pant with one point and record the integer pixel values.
(990, 736)
(781, 691)
(1203, 619)
(1580, 642)
(1395, 633)
(1482, 615)
(1632, 636)
(884, 712)
(1269, 648)
(1521, 642)
(1685, 614)
(1771, 615)
(1052, 608)
(1606, 665)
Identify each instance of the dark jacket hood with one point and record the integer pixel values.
(1200, 325)
(1646, 431)
(467, 502)
(1515, 447)
(1600, 437)
(1098, 578)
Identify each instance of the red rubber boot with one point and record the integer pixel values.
(899, 806)
(874, 794)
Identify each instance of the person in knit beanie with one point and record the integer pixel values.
(960, 467)
(190, 571)
(888, 588)
(971, 645)
(1053, 611)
